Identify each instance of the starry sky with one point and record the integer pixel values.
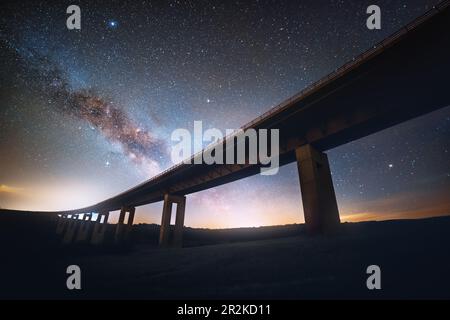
(86, 114)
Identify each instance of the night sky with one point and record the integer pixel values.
(86, 114)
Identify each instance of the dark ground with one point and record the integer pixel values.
(273, 262)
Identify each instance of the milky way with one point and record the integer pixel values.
(41, 73)
(139, 145)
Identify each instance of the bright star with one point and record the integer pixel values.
(113, 24)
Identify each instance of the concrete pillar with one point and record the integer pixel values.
(319, 200)
(99, 230)
(179, 223)
(165, 238)
(84, 228)
(131, 216)
(164, 232)
(123, 229)
(71, 229)
(119, 226)
(61, 224)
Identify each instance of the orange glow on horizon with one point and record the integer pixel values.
(8, 189)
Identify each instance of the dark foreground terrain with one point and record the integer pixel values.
(279, 263)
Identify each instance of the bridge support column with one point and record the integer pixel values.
(84, 228)
(319, 200)
(61, 224)
(71, 229)
(179, 223)
(165, 237)
(123, 229)
(100, 227)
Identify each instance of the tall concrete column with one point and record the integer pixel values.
(319, 200)
(119, 226)
(61, 225)
(123, 211)
(179, 223)
(84, 228)
(165, 238)
(71, 229)
(164, 232)
(99, 231)
(131, 216)
(122, 229)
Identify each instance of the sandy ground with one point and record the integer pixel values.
(413, 255)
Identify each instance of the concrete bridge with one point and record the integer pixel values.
(404, 76)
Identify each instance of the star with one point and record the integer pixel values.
(113, 24)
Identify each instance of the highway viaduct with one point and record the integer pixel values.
(404, 76)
